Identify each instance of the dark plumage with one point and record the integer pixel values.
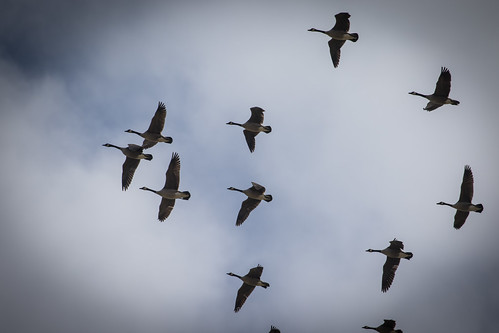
(464, 205)
(441, 94)
(393, 255)
(256, 193)
(134, 154)
(339, 34)
(387, 327)
(253, 126)
(170, 192)
(153, 133)
(250, 281)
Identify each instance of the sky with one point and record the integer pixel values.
(352, 162)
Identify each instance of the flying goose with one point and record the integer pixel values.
(339, 34)
(250, 281)
(274, 329)
(441, 94)
(393, 254)
(153, 133)
(464, 205)
(256, 193)
(253, 126)
(387, 327)
(134, 154)
(170, 191)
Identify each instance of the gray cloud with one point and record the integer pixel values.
(353, 161)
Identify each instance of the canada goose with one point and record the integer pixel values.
(274, 329)
(134, 154)
(153, 133)
(339, 34)
(250, 281)
(387, 327)
(464, 205)
(255, 195)
(253, 126)
(170, 191)
(441, 94)
(393, 254)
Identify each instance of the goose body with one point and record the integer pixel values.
(250, 281)
(441, 94)
(253, 126)
(339, 34)
(387, 327)
(255, 194)
(393, 255)
(153, 133)
(134, 154)
(464, 205)
(169, 193)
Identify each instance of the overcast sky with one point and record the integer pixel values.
(352, 162)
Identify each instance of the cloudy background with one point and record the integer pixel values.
(352, 162)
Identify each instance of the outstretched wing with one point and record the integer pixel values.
(246, 207)
(334, 50)
(148, 144)
(129, 167)
(467, 185)
(432, 106)
(442, 87)
(173, 173)
(255, 272)
(242, 296)
(389, 269)
(165, 208)
(396, 245)
(250, 139)
(158, 121)
(460, 218)
(342, 22)
(256, 115)
(388, 324)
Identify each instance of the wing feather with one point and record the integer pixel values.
(158, 120)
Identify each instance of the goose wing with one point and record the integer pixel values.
(158, 121)
(389, 269)
(246, 207)
(135, 148)
(467, 185)
(173, 173)
(342, 22)
(460, 218)
(242, 295)
(129, 167)
(256, 115)
(255, 272)
(396, 245)
(165, 208)
(388, 324)
(148, 143)
(432, 106)
(442, 87)
(334, 50)
(250, 139)
(257, 187)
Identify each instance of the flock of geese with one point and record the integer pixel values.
(339, 34)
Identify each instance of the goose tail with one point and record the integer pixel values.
(480, 208)
(186, 194)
